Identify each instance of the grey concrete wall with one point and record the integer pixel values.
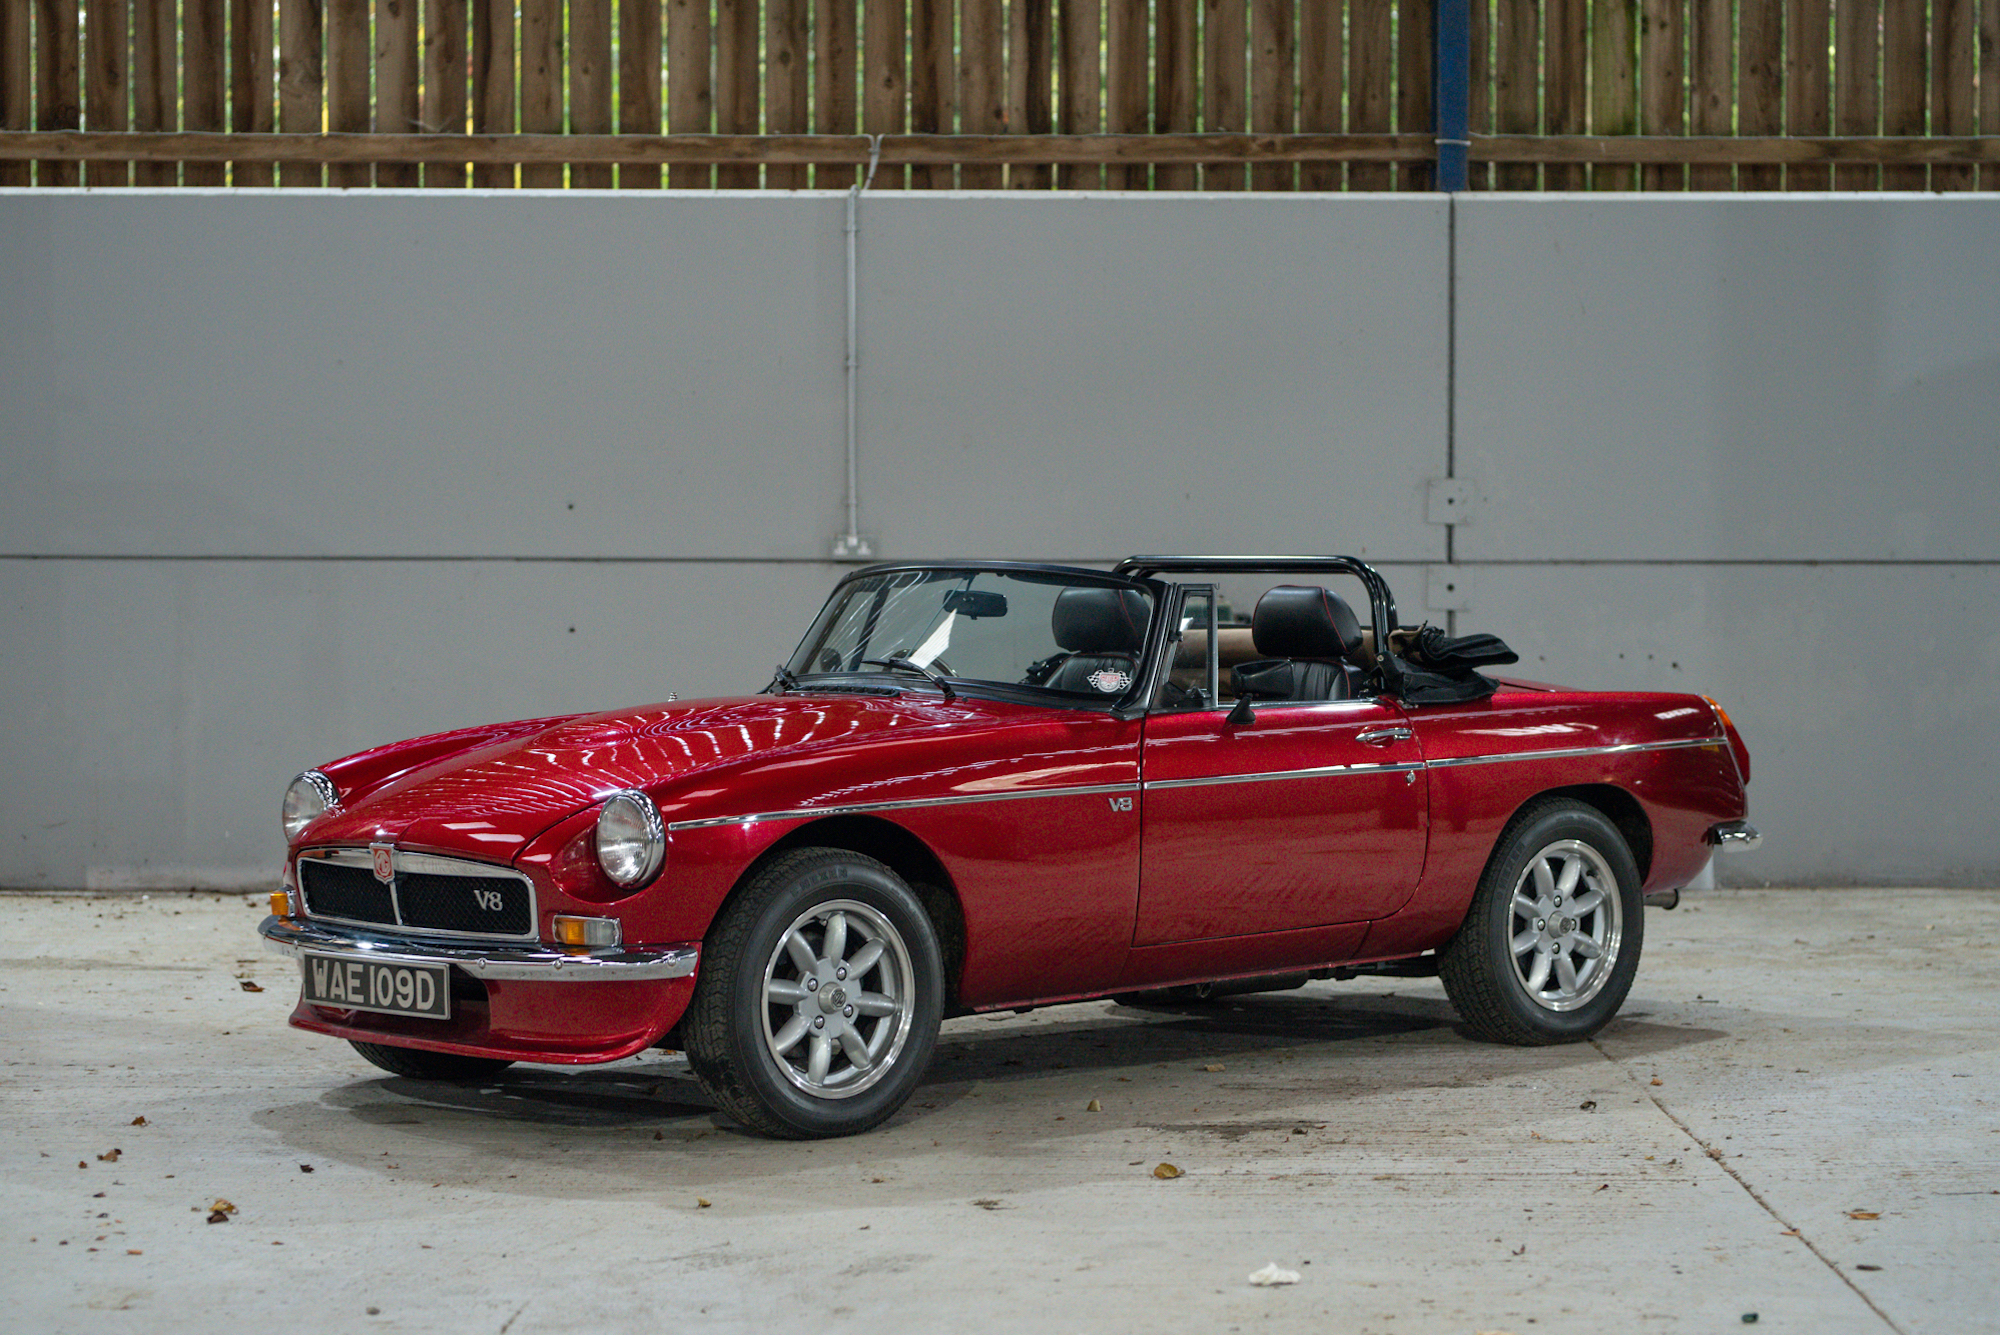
(288, 474)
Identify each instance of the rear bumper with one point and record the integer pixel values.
(535, 963)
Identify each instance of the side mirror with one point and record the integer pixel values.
(1241, 716)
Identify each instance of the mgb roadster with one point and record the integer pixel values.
(988, 785)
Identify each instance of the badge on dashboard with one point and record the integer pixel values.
(385, 862)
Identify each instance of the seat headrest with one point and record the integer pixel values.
(1099, 621)
(1298, 621)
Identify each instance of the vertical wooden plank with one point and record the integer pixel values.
(156, 75)
(1905, 82)
(348, 52)
(1176, 82)
(639, 85)
(301, 81)
(1989, 85)
(1479, 97)
(1614, 85)
(1953, 111)
(1370, 58)
(1662, 84)
(17, 88)
(1225, 93)
(885, 81)
(787, 85)
(398, 108)
(1272, 87)
(1031, 43)
(493, 48)
(1856, 105)
(690, 83)
(1712, 81)
(589, 84)
(1760, 86)
(933, 84)
(58, 83)
(1516, 75)
(104, 76)
(1808, 85)
(1127, 62)
(1415, 20)
(204, 77)
(836, 108)
(736, 90)
(444, 105)
(982, 83)
(1322, 86)
(252, 82)
(1565, 33)
(541, 95)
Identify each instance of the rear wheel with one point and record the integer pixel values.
(419, 1064)
(1550, 945)
(819, 997)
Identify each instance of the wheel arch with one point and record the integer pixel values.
(903, 853)
(1615, 805)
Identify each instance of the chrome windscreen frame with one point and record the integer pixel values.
(429, 864)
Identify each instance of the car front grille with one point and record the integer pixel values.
(430, 895)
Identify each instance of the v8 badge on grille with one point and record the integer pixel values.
(385, 862)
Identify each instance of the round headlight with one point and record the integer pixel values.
(631, 841)
(311, 796)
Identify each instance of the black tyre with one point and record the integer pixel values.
(1550, 945)
(421, 1065)
(819, 997)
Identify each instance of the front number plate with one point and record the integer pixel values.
(421, 990)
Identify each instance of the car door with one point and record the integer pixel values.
(1308, 814)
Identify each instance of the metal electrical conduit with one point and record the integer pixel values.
(850, 545)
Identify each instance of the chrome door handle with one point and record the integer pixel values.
(1382, 736)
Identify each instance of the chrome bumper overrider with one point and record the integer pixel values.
(1735, 836)
(521, 964)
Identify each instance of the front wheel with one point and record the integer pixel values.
(819, 998)
(1551, 943)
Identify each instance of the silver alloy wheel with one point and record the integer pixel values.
(1566, 925)
(838, 999)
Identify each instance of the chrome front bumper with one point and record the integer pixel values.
(511, 963)
(1735, 836)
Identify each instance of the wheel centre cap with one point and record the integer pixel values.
(832, 999)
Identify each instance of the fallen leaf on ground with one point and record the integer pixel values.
(109, 1156)
(1868, 1267)
(1093, 1106)
(1588, 1105)
(1658, 1081)
(249, 985)
(139, 1120)
(1214, 1066)
(305, 1168)
(134, 1251)
(223, 1207)
(701, 1203)
(218, 1216)
(1166, 1172)
(1863, 1214)
(987, 1204)
(1271, 1275)
(81, 1164)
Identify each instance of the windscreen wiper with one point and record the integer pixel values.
(783, 680)
(936, 678)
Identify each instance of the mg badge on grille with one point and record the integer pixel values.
(385, 862)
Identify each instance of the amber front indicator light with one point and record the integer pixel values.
(571, 931)
(281, 904)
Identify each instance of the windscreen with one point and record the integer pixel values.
(1010, 628)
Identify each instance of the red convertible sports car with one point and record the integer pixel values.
(986, 785)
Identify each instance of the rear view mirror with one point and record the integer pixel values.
(976, 603)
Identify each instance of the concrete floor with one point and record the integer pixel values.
(1797, 1116)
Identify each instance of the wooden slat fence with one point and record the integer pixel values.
(987, 94)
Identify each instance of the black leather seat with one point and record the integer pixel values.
(1103, 630)
(1311, 637)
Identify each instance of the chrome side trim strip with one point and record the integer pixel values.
(1321, 771)
(524, 964)
(861, 808)
(1569, 753)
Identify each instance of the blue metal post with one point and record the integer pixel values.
(1451, 71)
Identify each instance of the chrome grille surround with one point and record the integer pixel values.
(428, 865)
